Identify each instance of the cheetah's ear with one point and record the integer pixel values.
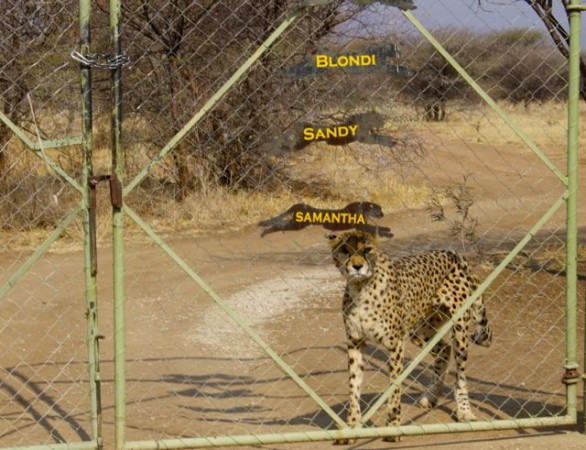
(331, 238)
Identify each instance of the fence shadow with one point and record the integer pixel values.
(489, 405)
(227, 396)
(50, 420)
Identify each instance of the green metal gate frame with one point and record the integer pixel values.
(84, 206)
(568, 199)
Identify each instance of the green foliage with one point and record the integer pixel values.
(451, 205)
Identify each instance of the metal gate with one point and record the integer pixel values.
(235, 112)
(50, 366)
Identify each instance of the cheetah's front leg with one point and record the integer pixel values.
(395, 349)
(355, 376)
(463, 410)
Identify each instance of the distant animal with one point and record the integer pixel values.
(353, 215)
(386, 299)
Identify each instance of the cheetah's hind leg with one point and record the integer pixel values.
(441, 353)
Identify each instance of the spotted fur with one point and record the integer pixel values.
(387, 299)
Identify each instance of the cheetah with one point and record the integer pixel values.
(388, 299)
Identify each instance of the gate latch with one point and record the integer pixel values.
(115, 200)
(571, 376)
(115, 189)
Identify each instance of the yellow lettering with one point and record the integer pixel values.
(367, 60)
(331, 132)
(341, 131)
(321, 61)
(355, 60)
(321, 217)
(319, 134)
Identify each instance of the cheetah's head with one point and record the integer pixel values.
(354, 254)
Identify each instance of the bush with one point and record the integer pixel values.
(518, 65)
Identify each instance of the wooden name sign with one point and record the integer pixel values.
(371, 59)
(353, 215)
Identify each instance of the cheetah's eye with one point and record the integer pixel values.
(367, 250)
(343, 250)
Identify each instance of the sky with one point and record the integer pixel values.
(479, 15)
(482, 15)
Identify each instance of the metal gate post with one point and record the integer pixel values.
(571, 376)
(89, 224)
(118, 231)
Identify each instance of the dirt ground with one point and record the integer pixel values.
(525, 441)
(192, 372)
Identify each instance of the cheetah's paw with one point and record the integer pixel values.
(427, 402)
(345, 441)
(465, 415)
(393, 439)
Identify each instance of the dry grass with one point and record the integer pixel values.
(545, 125)
(321, 175)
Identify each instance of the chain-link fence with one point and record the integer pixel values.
(451, 117)
(44, 391)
